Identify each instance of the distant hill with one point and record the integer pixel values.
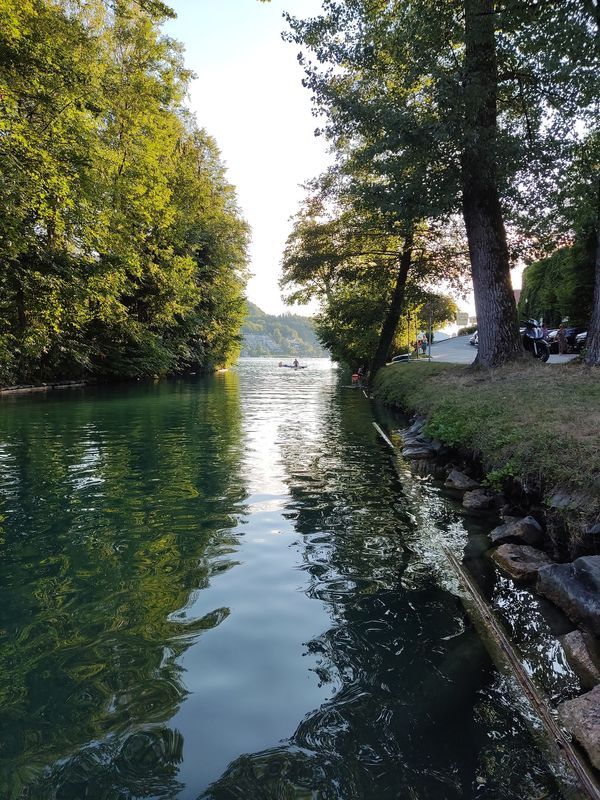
(283, 335)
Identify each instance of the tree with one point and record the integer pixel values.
(499, 338)
(347, 251)
(123, 250)
(469, 96)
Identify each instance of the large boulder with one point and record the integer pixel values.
(478, 500)
(458, 480)
(520, 561)
(580, 651)
(581, 717)
(575, 588)
(520, 531)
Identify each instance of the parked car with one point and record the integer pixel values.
(581, 341)
(474, 340)
(571, 336)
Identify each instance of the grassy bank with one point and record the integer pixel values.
(537, 423)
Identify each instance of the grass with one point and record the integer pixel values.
(537, 423)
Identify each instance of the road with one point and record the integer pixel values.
(459, 351)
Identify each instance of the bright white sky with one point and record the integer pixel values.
(248, 95)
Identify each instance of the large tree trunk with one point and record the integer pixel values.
(499, 339)
(390, 324)
(592, 348)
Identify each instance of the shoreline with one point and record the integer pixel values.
(43, 387)
(538, 544)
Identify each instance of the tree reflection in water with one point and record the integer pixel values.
(115, 509)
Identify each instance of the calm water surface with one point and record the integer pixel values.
(223, 588)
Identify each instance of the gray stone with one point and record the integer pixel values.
(520, 561)
(579, 650)
(417, 451)
(565, 499)
(478, 500)
(458, 480)
(581, 717)
(594, 530)
(575, 588)
(415, 428)
(510, 518)
(415, 439)
(520, 531)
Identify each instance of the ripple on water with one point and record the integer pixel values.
(223, 588)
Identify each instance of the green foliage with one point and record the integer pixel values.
(466, 330)
(497, 479)
(122, 246)
(344, 251)
(283, 335)
(561, 285)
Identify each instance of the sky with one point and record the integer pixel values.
(248, 95)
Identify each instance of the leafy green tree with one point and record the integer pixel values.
(561, 285)
(123, 250)
(349, 255)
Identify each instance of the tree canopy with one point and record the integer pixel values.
(474, 107)
(123, 249)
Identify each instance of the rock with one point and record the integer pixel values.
(414, 429)
(520, 531)
(510, 517)
(581, 717)
(575, 588)
(478, 500)
(458, 480)
(565, 499)
(579, 650)
(417, 451)
(415, 439)
(520, 561)
(594, 530)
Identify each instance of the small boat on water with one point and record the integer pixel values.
(293, 366)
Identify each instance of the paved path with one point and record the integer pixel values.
(459, 351)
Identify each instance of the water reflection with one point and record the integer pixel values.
(112, 516)
(225, 589)
(416, 709)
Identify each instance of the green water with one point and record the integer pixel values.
(222, 588)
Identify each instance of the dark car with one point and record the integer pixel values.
(571, 337)
(581, 341)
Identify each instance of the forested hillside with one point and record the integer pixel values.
(283, 335)
(123, 250)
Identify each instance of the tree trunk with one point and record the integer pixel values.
(592, 347)
(390, 324)
(499, 339)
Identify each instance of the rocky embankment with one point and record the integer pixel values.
(525, 547)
